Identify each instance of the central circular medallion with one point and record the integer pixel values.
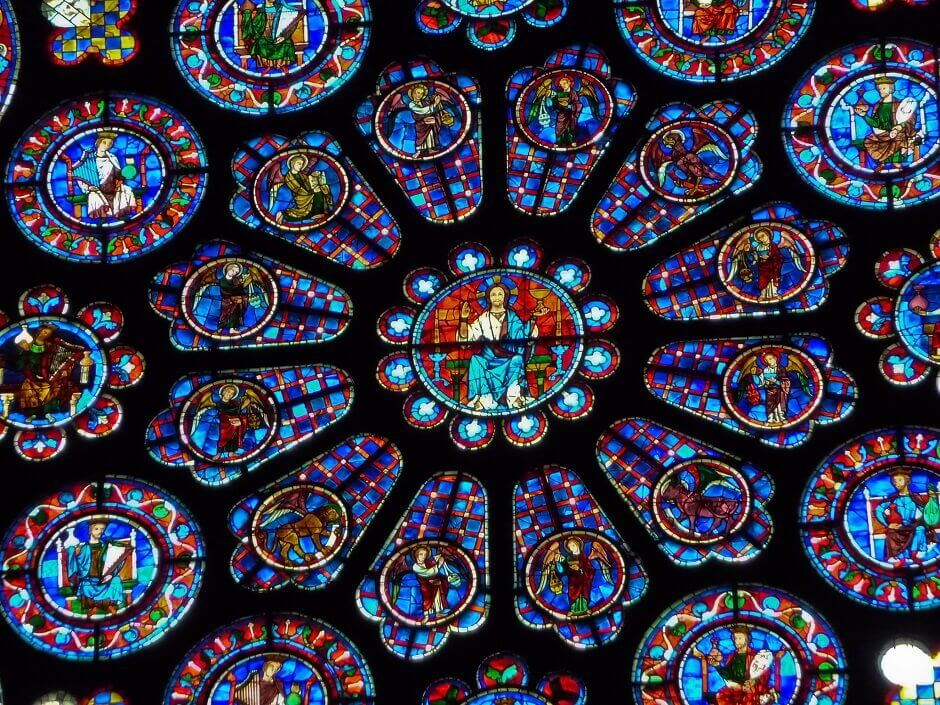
(228, 421)
(300, 527)
(422, 120)
(770, 387)
(105, 177)
(575, 574)
(689, 161)
(428, 582)
(564, 109)
(229, 299)
(701, 501)
(766, 263)
(498, 342)
(51, 370)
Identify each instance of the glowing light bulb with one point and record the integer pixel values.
(906, 663)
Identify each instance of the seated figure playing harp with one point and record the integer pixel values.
(263, 687)
(99, 175)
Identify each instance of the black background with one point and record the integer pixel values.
(26, 673)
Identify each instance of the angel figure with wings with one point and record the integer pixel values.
(758, 260)
(236, 416)
(776, 382)
(309, 190)
(234, 295)
(686, 165)
(560, 101)
(566, 562)
(422, 578)
(430, 113)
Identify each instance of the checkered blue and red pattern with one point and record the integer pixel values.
(309, 310)
(544, 182)
(361, 236)
(360, 471)
(630, 215)
(687, 285)
(102, 33)
(549, 501)
(689, 375)
(449, 507)
(446, 189)
(636, 453)
(308, 400)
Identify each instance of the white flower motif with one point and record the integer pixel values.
(474, 429)
(426, 286)
(426, 409)
(398, 325)
(526, 423)
(470, 262)
(522, 257)
(567, 276)
(571, 398)
(399, 371)
(596, 358)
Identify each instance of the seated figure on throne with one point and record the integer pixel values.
(98, 175)
(497, 373)
(715, 17)
(94, 571)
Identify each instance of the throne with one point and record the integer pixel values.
(297, 28)
(127, 572)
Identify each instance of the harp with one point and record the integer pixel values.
(248, 692)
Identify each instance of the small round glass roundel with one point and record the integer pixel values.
(484, 358)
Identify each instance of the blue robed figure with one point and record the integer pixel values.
(497, 372)
(95, 583)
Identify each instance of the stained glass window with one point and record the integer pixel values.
(470, 352)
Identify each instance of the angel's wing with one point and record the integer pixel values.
(662, 171)
(702, 142)
(552, 556)
(599, 553)
(591, 97)
(291, 504)
(787, 243)
(253, 402)
(541, 93)
(202, 283)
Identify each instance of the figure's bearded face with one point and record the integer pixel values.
(740, 640)
(885, 90)
(900, 481)
(96, 530)
(497, 297)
